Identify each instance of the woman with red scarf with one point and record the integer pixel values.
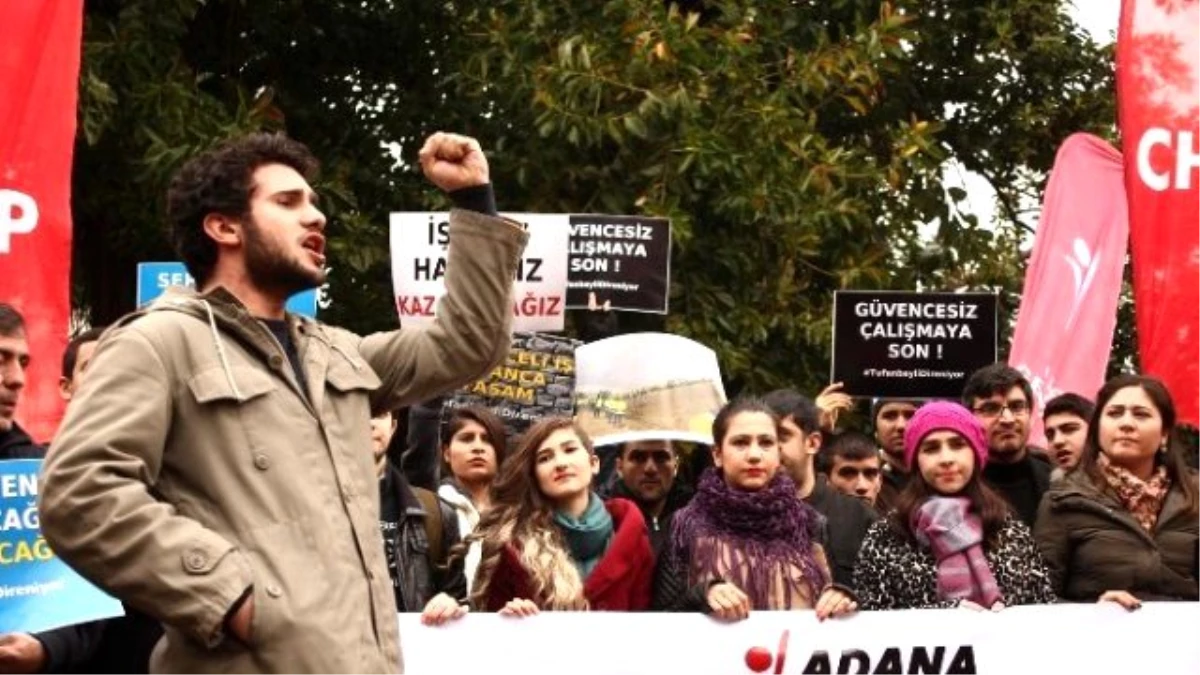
(950, 541)
(746, 541)
(549, 542)
(1122, 526)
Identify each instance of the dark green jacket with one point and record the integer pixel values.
(1092, 544)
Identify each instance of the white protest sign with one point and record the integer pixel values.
(420, 241)
(645, 386)
(1096, 639)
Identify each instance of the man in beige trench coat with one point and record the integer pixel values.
(214, 470)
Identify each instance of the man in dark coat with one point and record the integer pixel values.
(646, 475)
(846, 519)
(1002, 400)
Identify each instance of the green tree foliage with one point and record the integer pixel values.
(799, 146)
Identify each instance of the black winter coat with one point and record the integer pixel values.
(416, 577)
(846, 522)
(660, 526)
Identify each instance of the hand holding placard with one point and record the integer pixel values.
(453, 162)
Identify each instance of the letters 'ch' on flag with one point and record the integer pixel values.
(39, 74)
(1068, 308)
(1158, 102)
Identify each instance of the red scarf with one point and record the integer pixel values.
(1142, 498)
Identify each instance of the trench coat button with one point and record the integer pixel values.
(261, 461)
(274, 590)
(276, 361)
(195, 560)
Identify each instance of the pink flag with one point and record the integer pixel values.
(1069, 307)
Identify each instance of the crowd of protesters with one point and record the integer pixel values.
(264, 492)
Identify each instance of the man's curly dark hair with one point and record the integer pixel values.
(220, 180)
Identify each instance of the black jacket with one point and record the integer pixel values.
(415, 577)
(1022, 484)
(421, 461)
(16, 444)
(118, 645)
(846, 522)
(893, 484)
(660, 526)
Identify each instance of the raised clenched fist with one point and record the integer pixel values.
(453, 162)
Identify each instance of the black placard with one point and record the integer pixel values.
(537, 380)
(911, 345)
(625, 260)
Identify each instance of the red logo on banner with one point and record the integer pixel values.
(39, 73)
(1158, 95)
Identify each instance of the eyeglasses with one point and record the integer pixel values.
(991, 409)
(659, 457)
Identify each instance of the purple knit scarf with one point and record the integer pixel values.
(772, 529)
(955, 535)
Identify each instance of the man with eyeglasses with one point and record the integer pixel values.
(1002, 401)
(646, 473)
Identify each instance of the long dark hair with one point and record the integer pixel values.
(520, 514)
(1171, 458)
(986, 503)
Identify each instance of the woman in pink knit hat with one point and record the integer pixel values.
(950, 541)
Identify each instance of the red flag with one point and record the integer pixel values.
(39, 74)
(1158, 96)
(1069, 306)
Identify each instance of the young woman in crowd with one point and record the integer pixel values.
(746, 542)
(473, 446)
(950, 541)
(549, 542)
(1122, 526)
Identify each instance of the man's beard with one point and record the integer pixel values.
(272, 271)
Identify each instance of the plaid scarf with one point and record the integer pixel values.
(1143, 499)
(955, 535)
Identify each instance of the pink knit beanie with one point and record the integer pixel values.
(944, 415)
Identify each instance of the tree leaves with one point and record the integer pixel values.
(798, 147)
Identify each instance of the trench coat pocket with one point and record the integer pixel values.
(239, 383)
(345, 378)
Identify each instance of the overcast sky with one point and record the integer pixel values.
(1098, 17)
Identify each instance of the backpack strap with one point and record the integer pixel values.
(434, 526)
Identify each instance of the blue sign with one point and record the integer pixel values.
(38, 591)
(154, 277)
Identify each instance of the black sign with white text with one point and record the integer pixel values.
(624, 260)
(911, 345)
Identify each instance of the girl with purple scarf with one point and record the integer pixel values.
(746, 541)
(950, 541)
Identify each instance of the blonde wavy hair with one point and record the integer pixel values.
(522, 515)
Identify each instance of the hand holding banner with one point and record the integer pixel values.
(790, 643)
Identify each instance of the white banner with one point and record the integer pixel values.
(1058, 640)
(646, 386)
(419, 241)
